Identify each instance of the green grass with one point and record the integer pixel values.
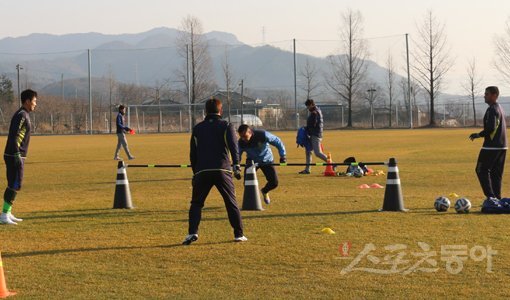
(72, 245)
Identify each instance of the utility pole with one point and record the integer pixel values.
(90, 90)
(18, 67)
(189, 89)
(242, 100)
(409, 84)
(295, 87)
(111, 116)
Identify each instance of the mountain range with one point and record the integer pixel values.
(151, 58)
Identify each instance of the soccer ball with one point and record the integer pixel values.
(442, 203)
(462, 205)
(358, 172)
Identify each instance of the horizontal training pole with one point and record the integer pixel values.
(273, 164)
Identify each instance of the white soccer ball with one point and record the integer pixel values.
(358, 172)
(442, 203)
(462, 205)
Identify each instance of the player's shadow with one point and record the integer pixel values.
(289, 215)
(119, 248)
(102, 213)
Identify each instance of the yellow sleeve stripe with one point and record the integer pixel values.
(493, 133)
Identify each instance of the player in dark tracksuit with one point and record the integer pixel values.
(213, 144)
(121, 134)
(491, 160)
(314, 128)
(16, 150)
(256, 145)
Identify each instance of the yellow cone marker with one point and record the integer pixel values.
(453, 196)
(327, 230)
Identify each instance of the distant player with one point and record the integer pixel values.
(15, 153)
(256, 145)
(491, 160)
(314, 128)
(121, 134)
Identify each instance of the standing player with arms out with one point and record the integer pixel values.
(15, 153)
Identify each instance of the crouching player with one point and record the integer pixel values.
(256, 145)
(15, 153)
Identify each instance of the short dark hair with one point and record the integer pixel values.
(309, 102)
(492, 90)
(121, 107)
(28, 95)
(213, 106)
(243, 128)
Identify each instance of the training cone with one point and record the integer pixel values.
(122, 194)
(393, 199)
(376, 186)
(4, 292)
(329, 168)
(251, 196)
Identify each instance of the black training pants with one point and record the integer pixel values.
(489, 170)
(270, 174)
(202, 184)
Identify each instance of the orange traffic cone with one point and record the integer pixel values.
(329, 168)
(4, 292)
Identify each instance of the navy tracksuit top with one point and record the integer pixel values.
(213, 145)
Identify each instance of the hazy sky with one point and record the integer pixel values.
(471, 25)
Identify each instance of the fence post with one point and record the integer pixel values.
(396, 115)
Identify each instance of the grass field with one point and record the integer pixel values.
(72, 245)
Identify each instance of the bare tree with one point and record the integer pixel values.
(349, 70)
(432, 60)
(502, 60)
(193, 46)
(472, 85)
(309, 73)
(390, 83)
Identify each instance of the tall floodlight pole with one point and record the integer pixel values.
(295, 87)
(18, 67)
(90, 90)
(409, 84)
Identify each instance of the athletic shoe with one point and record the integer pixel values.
(267, 200)
(14, 219)
(117, 158)
(4, 219)
(304, 172)
(240, 239)
(131, 158)
(190, 238)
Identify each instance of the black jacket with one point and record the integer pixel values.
(213, 144)
(19, 134)
(314, 123)
(494, 128)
